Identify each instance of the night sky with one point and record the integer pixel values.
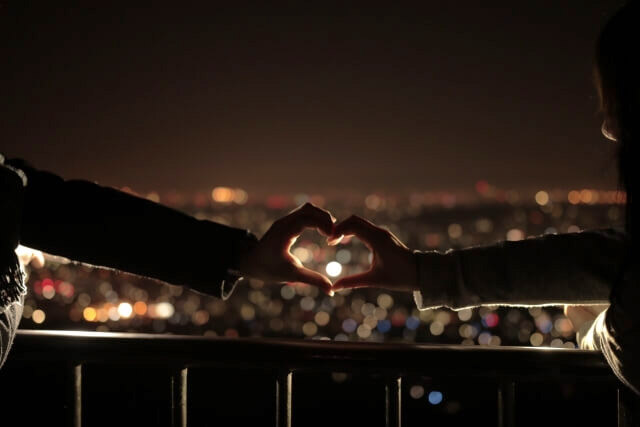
(288, 100)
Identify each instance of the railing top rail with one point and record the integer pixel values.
(397, 358)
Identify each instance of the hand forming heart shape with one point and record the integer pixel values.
(393, 265)
(271, 260)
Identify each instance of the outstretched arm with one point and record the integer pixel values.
(577, 268)
(101, 226)
(574, 268)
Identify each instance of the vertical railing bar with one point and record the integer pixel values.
(76, 396)
(621, 417)
(393, 400)
(179, 398)
(283, 399)
(627, 408)
(506, 403)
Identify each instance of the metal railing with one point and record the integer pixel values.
(506, 366)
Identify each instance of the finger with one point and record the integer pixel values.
(308, 216)
(314, 278)
(38, 259)
(367, 279)
(365, 230)
(333, 241)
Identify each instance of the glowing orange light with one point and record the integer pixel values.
(222, 195)
(140, 308)
(574, 197)
(586, 196)
(89, 314)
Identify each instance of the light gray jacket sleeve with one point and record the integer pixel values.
(616, 331)
(577, 268)
(574, 268)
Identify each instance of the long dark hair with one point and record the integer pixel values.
(617, 75)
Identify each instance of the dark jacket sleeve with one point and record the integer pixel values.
(101, 226)
(9, 321)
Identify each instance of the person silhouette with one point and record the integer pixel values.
(594, 268)
(101, 226)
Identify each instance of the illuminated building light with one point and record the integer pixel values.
(125, 310)
(383, 326)
(435, 397)
(364, 331)
(380, 313)
(162, 310)
(222, 195)
(536, 339)
(322, 318)
(436, 328)
(367, 309)
(48, 291)
(247, 312)
(515, 235)
(307, 303)
(412, 323)
(385, 301)
(455, 231)
(240, 196)
(103, 315)
(373, 202)
(84, 299)
(303, 254)
(343, 256)
(349, 325)
(573, 197)
(490, 320)
(573, 229)
(334, 269)
(154, 197)
(484, 338)
(309, 329)
(416, 392)
(484, 225)
(370, 321)
(89, 314)
(38, 316)
(140, 308)
(113, 314)
(586, 196)
(542, 197)
(465, 314)
(287, 292)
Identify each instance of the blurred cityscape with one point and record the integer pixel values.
(71, 296)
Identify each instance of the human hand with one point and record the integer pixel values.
(28, 256)
(393, 266)
(580, 315)
(271, 260)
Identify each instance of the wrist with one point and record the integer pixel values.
(242, 255)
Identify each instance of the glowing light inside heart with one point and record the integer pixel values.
(334, 269)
